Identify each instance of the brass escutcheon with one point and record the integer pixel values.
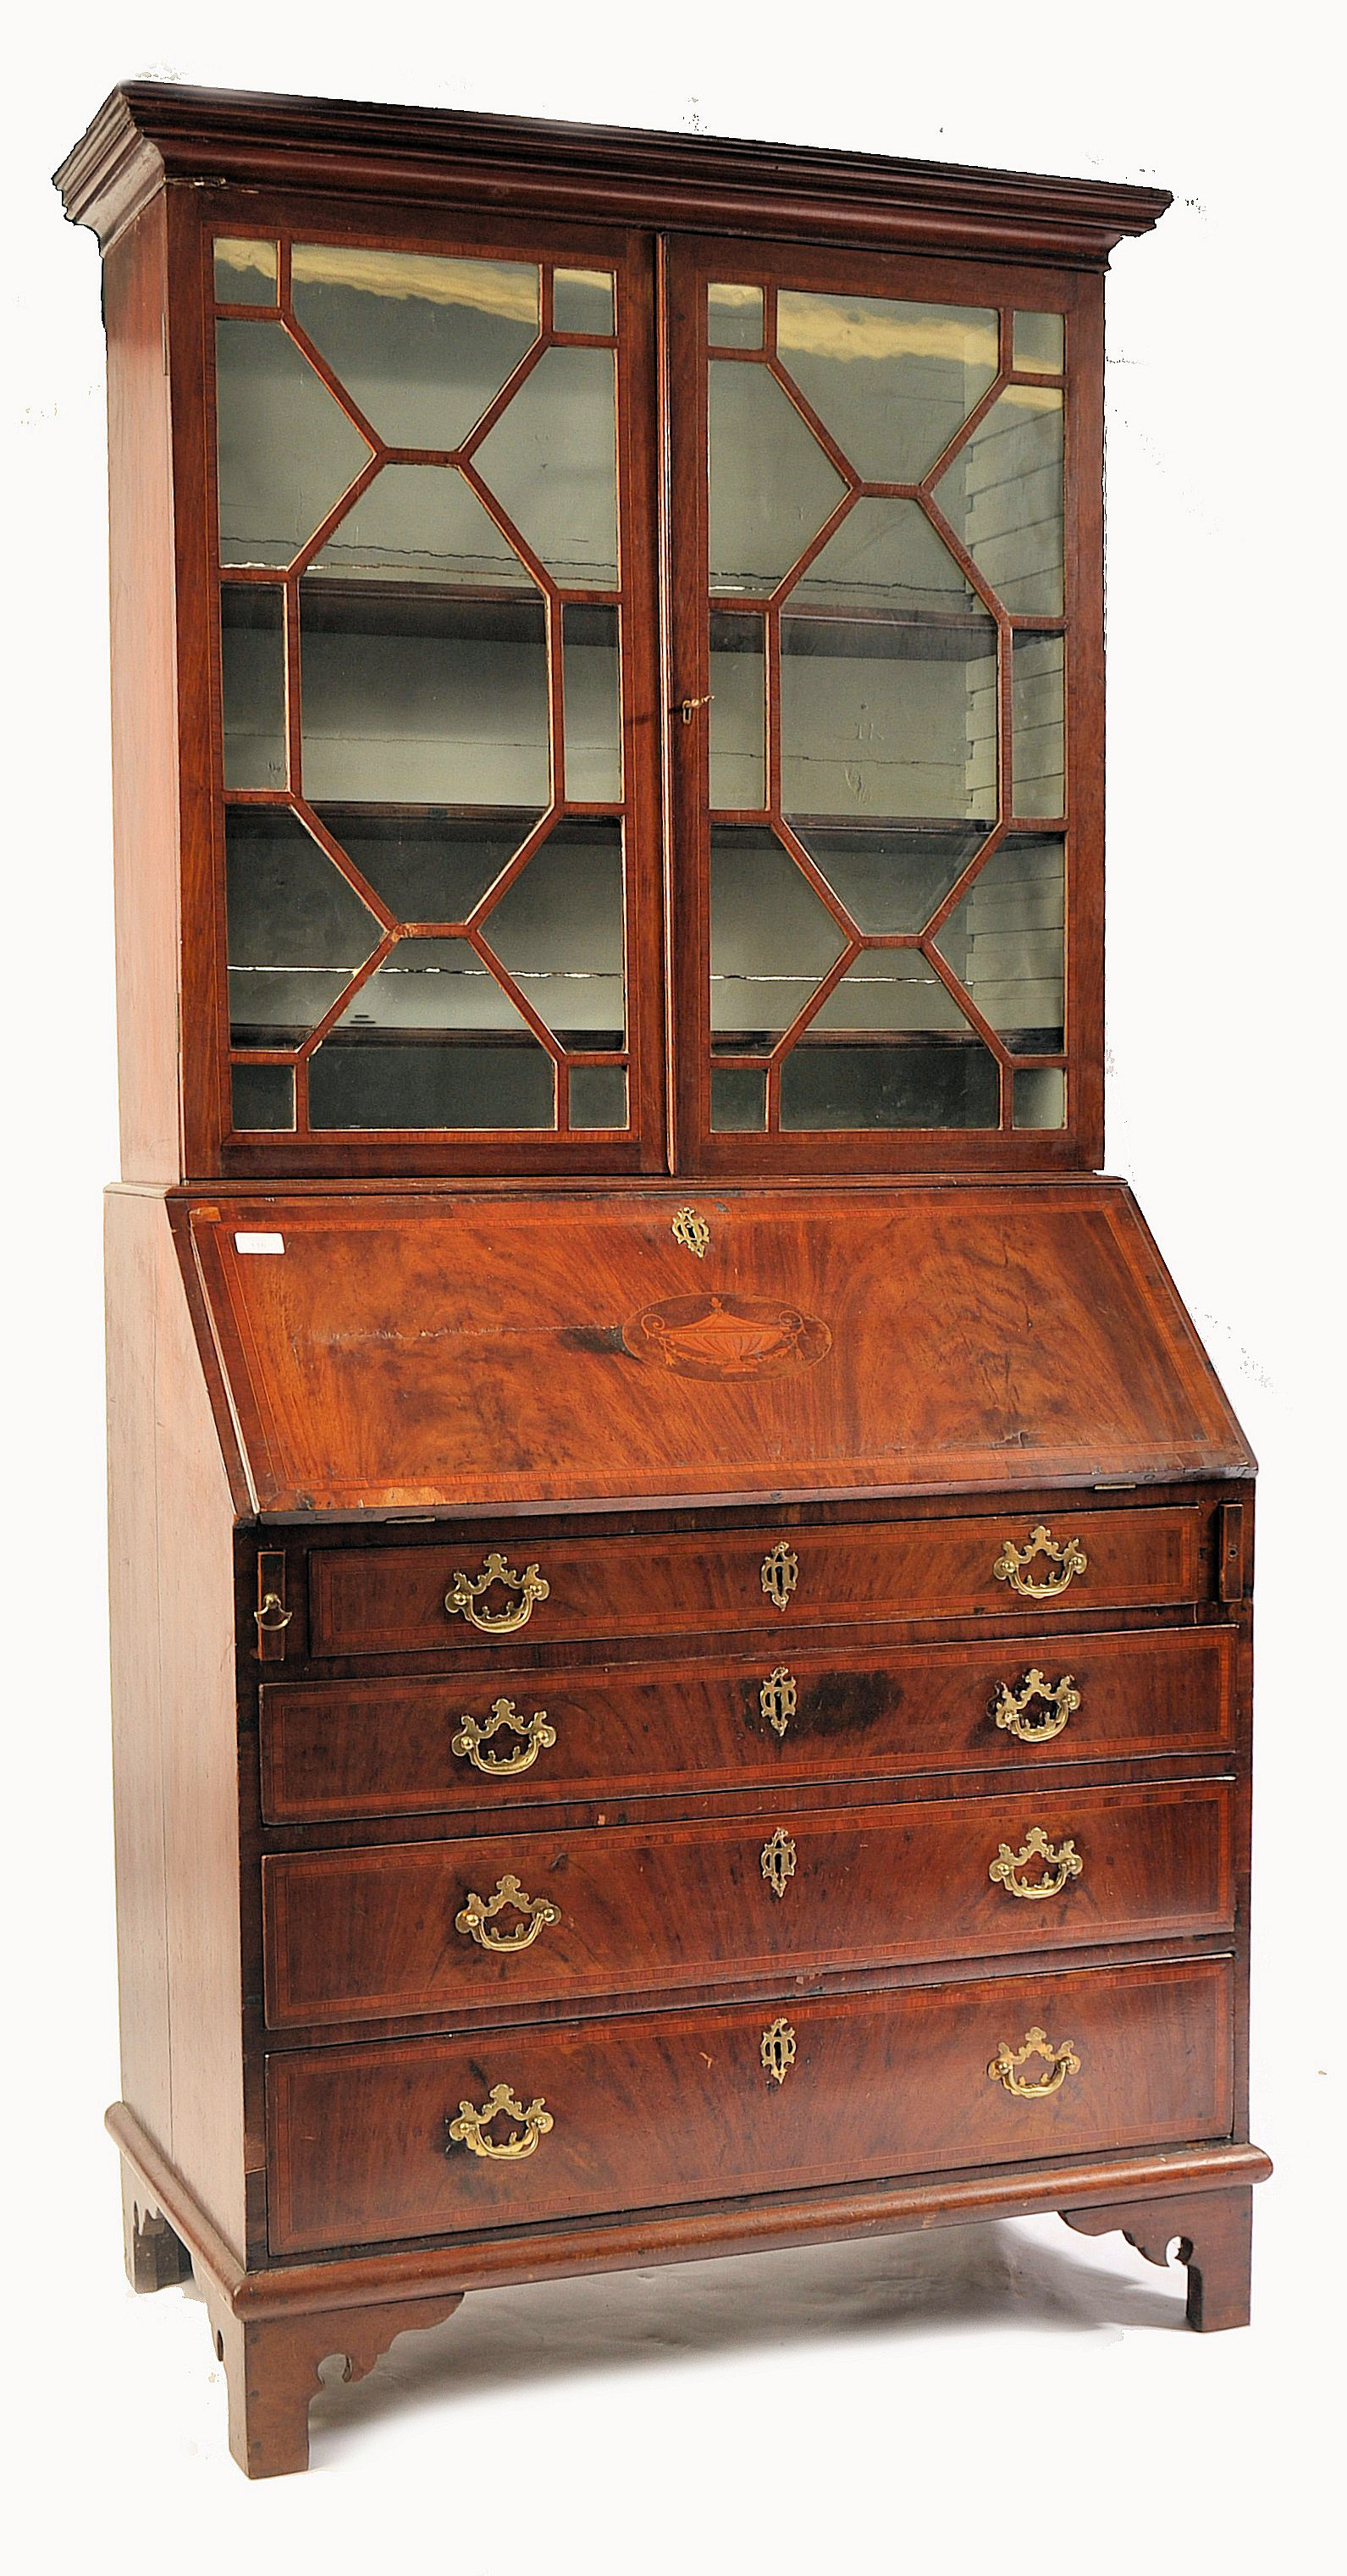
(692, 1231)
(780, 1572)
(474, 1732)
(1004, 2067)
(778, 2050)
(1010, 1564)
(479, 1913)
(471, 2126)
(778, 1699)
(778, 1861)
(466, 1589)
(1060, 1700)
(1057, 1866)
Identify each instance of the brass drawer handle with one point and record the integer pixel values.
(780, 1572)
(466, 1589)
(778, 2049)
(270, 1625)
(779, 1698)
(470, 2128)
(1058, 1867)
(1010, 1707)
(1010, 1564)
(778, 1861)
(474, 1732)
(1004, 2067)
(480, 1913)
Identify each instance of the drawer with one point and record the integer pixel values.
(435, 1927)
(393, 1600)
(676, 2107)
(524, 1738)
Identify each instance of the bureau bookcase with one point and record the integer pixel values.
(680, 1577)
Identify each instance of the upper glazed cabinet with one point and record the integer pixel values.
(638, 695)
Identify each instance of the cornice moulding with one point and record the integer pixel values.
(149, 134)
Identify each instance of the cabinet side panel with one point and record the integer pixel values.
(144, 700)
(177, 1727)
(137, 1747)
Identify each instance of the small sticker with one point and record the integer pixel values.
(259, 1243)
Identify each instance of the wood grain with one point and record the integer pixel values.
(377, 1932)
(677, 2107)
(385, 1748)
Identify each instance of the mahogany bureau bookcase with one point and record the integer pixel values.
(680, 1578)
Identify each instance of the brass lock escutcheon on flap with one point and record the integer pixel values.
(780, 1572)
(466, 1590)
(480, 1913)
(1056, 1867)
(692, 1231)
(778, 1861)
(476, 1732)
(1058, 1700)
(778, 2050)
(1067, 1561)
(1005, 2066)
(471, 2126)
(778, 1699)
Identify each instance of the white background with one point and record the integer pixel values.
(982, 2397)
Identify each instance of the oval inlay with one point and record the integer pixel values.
(726, 1337)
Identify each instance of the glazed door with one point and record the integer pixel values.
(887, 644)
(438, 778)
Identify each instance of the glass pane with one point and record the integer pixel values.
(263, 1096)
(1005, 941)
(385, 1082)
(1039, 343)
(738, 1099)
(558, 930)
(287, 451)
(885, 560)
(422, 523)
(889, 878)
(772, 486)
(772, 940)
(891, 382)
(734, 317)
(890, 988)
(582, 300)
(593, 709)
(429, 866)
(551, 461)
(252, 684)
(421, 344)
(431, 1041)
(833, 1087)
(423, 700)
(245, 273)
(1040, 1096)
(1003, 498)
(426, 984)
(598, 1095)
(1038, 669)
(737, 712)
(296, 930)
(888, 677)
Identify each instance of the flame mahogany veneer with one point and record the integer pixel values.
(752, 1837)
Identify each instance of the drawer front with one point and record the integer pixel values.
(523, 1739)
(431, 1927)
(393, 1600)
(671, 2108)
